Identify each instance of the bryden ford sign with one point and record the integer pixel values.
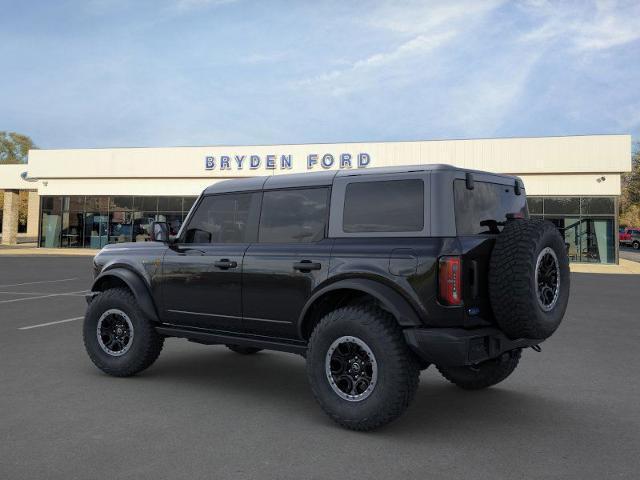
(285, 162)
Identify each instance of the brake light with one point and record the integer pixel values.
(449, 281)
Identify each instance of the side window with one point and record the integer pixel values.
(294, 216)
(226, 218)
(384, 206)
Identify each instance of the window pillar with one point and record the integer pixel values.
(33, 214)
(10, 217)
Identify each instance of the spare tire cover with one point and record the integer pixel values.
(529, 279)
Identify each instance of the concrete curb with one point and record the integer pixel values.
(32, 251)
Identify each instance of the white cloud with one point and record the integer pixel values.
(264, 57)
(600, 26)
(185, 5)
(419, 30)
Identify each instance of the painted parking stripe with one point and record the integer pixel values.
(38, 293)
(45, 296)
(51, 323)
(41, 281)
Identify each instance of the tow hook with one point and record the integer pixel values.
(536, 348)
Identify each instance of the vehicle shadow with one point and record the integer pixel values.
(277, 382)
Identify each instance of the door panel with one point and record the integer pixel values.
(202, 286)
(276, 284)
(202, 272)
(288, 262)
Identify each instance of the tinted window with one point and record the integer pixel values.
(230, 218)
(535, 205)
(386, 206)
(562, 205)
(597, 205)
(482, 209)
(293, 215)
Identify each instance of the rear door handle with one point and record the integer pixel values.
(224, 264)
(307, 266)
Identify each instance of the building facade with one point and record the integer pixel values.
(87, 198)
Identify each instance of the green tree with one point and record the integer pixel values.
(14, 147)
(630, 198)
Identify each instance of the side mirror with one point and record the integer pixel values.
(159, 232)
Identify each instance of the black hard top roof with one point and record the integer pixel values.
(317, 179)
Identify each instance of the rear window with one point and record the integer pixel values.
(384, 206)
(485, 208)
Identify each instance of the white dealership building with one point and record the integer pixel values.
(86, 198)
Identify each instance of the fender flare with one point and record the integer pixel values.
(137, 286)
(391, 300)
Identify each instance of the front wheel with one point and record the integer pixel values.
(119, 339)
(360, 369)
(483, 375)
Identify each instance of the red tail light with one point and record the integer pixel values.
(449, 281)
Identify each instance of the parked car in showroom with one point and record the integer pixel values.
(370, 275)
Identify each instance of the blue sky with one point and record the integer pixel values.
(103, 73)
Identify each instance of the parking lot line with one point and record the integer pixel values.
(37, 293)
(44, 296)
(40, 281)
(50, 323)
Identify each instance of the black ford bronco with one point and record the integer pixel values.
(370, 275)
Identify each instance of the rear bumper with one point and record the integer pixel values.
(458, 347)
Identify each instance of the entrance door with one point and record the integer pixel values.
(202, 271)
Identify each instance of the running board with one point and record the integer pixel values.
(215, 338)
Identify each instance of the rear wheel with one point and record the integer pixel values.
(119, 339)
(360, 369)
(483, 375)
(243, 350)
(636, 245)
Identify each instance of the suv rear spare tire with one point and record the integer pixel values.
(529, 279)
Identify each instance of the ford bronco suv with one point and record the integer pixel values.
(370, 275)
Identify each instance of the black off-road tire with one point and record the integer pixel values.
(512, 279)
(397, 367)
(636, 245)
(243, 350)
(145, 345)
(484, 374)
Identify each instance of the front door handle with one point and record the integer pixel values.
(225, 264)
(307, 266)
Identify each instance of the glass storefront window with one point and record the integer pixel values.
(597, 206)
(72, 222)
(145, 204)
(120, 203)
(120, 227)
(587, 223)
(561, 205)
(51, 223)
(170, 204)
(535, 205)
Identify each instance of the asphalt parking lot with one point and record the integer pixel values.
(571, 411)
(630, 253)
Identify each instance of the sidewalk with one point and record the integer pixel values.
(29, 250)
(626, 267)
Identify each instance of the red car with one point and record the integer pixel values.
(629, 237)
